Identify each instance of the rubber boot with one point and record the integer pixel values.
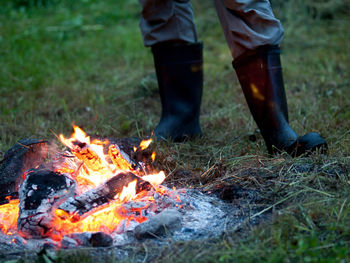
(180, 79)
(260, 75)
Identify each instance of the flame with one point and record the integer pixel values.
(95, 162)
(9, 216)
(78, 135)
(117, 158)
(128, 192)
(105, 219)
(145, 143)
(155, 179)
(153, 156)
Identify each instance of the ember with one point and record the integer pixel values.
(82, 190)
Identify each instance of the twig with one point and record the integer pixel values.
(207, 171)
(25, 146)
(55, 134)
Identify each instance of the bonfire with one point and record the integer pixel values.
(81, 189)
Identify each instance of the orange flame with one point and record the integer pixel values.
(155, 179)
(153, 156)
(128, 192)
(9, 216)
(96, 161)
(145, 143)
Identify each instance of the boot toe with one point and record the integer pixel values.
(309, 143)
(177, 132)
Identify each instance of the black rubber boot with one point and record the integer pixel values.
(260, 75)
(180, 80)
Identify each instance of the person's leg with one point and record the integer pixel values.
(167, 27)
(254, 35)
(167, 21)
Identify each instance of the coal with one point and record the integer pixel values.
(77, 207)
(165, 222)
(87, 239)
(100, 239)
(26, 154)
(40, 194)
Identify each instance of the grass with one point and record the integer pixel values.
(84, 62)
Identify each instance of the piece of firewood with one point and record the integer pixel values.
(25, 154)
(40, 193)
(90, 158)
(76, 208)
(120, 159)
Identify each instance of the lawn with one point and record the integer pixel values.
(84, 61)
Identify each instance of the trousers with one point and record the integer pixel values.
(247, 24)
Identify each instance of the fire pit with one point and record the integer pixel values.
(98, 193)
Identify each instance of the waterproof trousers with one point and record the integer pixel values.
(247, 24)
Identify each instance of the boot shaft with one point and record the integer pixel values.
(179, 68)
(260, 75)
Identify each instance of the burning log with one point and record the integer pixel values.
(120, 159)
(41, 192)
(89, 157)
(93, 161)
(92, 153)
(92, 181)
(26, 154)
(75, 207)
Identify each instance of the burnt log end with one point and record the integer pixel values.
(40, 194)
(26, 154)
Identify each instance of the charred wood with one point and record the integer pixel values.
(77, 207)
(26, 154)
(87, 239)
(40, 193)
(120, 159)
(130, 149)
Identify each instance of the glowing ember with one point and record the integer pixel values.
(8, 216)
(93, 164)
(153, 156)
(145, 143)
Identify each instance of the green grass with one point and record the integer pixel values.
(84, 62)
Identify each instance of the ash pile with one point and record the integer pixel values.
(98, 193)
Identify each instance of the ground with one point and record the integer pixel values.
(84, 62)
